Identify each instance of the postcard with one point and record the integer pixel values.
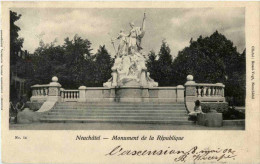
(130, 82)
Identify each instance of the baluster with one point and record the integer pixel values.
(209, 91)
(77, 95)
(38, 92)
(42, 94)
(47, 91)
(218, 91)
(213, 91)
(66, 94)
(204, 91)
(199, 91)
(221, 91)
(73, 95)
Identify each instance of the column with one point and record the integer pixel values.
(82, 94)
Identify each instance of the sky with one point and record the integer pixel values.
(176, 26)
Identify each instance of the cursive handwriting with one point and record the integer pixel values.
(193, 153)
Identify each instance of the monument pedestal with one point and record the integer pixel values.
(132, 94)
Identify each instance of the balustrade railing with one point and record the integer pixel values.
(209, 90)
(40, 90)
(69, 95)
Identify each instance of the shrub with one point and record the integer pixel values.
(232, 114)
(220, 107)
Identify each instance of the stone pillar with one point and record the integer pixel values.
(190, 87)
(114, 78)
(143, 78)
(82, 94)
(54, 90)
(190, 93)
(221, 89)
(180, 93)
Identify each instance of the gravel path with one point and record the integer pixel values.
(115, 126)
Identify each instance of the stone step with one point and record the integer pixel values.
(120, 103)
(174, 113)
(115, 114)
(98, 104)
(120, 110)
(119, 117)
(72, 120)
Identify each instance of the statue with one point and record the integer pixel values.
(136, 35)
(123, 43)
(129, 68)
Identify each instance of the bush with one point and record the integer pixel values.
(220, 107)
(232, 114)
(205, 108)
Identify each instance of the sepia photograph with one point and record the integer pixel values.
(130, 82)
(127, 69)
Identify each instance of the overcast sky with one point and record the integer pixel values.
(176, 26)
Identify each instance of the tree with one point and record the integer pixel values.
(151, 64)
(103, 64)
(71, 62)
(48, 61)
(78, 62)
(210, 60)
(16, 43)
(162, 72)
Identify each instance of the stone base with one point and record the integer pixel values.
(210, 119)
(28, 116)
(133, 94)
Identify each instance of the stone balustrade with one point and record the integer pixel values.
(210, 90)
(204, 92)
(69, 95)
(188, 93)
(44, 92)
(40, 90)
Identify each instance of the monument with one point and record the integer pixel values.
(129, 68)
(130, 95)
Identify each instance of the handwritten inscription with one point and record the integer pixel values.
(193, 153)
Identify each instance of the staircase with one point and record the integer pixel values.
(168, 113)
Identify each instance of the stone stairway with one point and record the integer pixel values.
(172, 113)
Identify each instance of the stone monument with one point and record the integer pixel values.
(129, 68)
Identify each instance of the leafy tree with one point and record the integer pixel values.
(103, 64)
(151, 64)
(210, 60)
(16, 43)
(72, 63)
(162, 72)
(48, 60)
(78, 61)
